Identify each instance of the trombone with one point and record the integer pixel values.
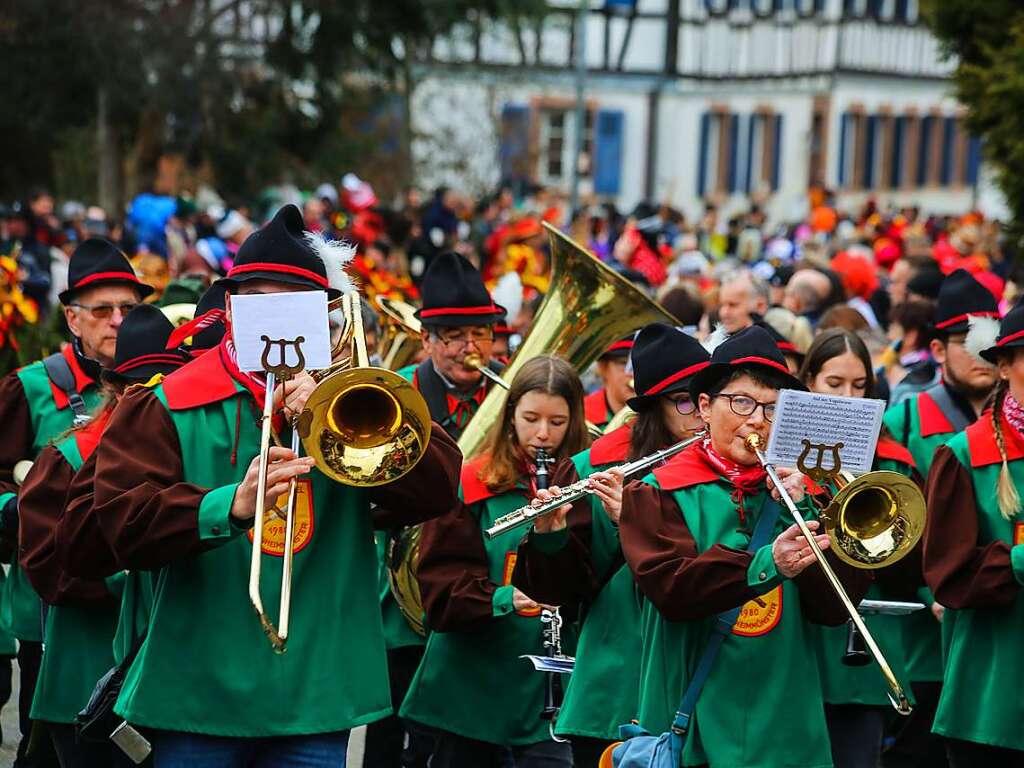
(364, 426)
(882, 529)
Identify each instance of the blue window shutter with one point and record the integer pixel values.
(901, 10)
(973, 160)
(948, 147)
(777, 154)
(844, 129)
(751, 129)
(702, 153)
(899, 142)
(514, 147)
(609, 130)
(869, 152)
(734, 140)
(924, 148)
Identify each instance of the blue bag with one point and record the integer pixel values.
(639, 749)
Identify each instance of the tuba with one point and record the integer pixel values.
(400, 333)
(587, 307)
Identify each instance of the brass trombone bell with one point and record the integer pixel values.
(400, 334)
(875, 520)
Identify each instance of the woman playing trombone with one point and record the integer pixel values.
(686, 534)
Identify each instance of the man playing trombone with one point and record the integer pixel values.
(181, 503)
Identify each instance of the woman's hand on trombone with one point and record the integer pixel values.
(791, 552)
(792, 481)
(282, 466)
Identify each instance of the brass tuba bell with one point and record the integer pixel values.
(875, 520)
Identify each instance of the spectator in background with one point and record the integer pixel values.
(742, 295)
(807, 293)
(910, 332)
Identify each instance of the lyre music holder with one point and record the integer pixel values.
(818, 473)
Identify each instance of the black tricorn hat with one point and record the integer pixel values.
(665, 360)
(785, 346)
(99, 262)
(210, 336)
(752, 347)
(141, 342)
(621, 348)
(960, 297)
(1011, 334)
(280, 252)
(454, 294)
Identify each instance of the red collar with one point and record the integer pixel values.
(611, 448)
(202, 381)
(82, 380)
(473, 488)
(893, 451)
(684, 470)
(595, 408)
(88, 437)
(981, 442)
(932, 420)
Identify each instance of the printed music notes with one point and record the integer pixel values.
(825, 420)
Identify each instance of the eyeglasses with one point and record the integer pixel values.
(104, 311)
(745, 406)
(462, 338)
(684, 405)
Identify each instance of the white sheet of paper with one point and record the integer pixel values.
(825, 419)
(281, 316)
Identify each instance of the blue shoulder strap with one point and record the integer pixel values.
(724, 623)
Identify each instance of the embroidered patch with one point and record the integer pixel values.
(273, 524)
(760, 615)
(506, 580)
(1018, 533)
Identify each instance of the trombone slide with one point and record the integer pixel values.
(896, 695)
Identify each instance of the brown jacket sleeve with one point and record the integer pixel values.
(453, 571)
(562, 576)
(18, 432)
(960, 572)
(685, 586)
(430, 489)
(82, 548)
(146, 510)
(40, 506)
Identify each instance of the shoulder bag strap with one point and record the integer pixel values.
(60, 374)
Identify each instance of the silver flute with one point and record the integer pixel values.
(526, 515)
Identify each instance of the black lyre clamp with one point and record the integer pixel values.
(818, 473)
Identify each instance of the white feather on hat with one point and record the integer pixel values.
(982, 333)
(335, 254)
(716, 338)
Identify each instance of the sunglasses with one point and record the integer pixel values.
(104, 311)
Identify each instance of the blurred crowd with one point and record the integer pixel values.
(875, 271)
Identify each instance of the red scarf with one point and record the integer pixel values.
(746, 481)
(255, 384)
(1014, 413)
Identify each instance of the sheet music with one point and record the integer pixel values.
(825, 419)
(281, 316)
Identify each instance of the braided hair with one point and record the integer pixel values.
(1006, 492)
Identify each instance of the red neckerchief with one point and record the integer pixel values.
(1013, 412)
(746, 481)
(460, 409)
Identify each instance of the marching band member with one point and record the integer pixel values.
(82, 613)
(685, 532)
(856, 707)
(458, 317)
(583, 563)
(974, 563)
(182, 502)
(43, 400)
(472, 686)
(616, 384)
(923, 423)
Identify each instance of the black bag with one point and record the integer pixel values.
(98, 720)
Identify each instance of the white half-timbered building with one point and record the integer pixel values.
(696, 100)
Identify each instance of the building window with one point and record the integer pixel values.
(899, 151)
(947, 165)
(557, 145)
(713, 141)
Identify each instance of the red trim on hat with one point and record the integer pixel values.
(962, 318)
(687, 371)
(1008, 339)
(489, 310)
(786, 346)
(156, 357)
(123, 276)
(761, 361)
(265, 266)
(620, 345)
(501, 330)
